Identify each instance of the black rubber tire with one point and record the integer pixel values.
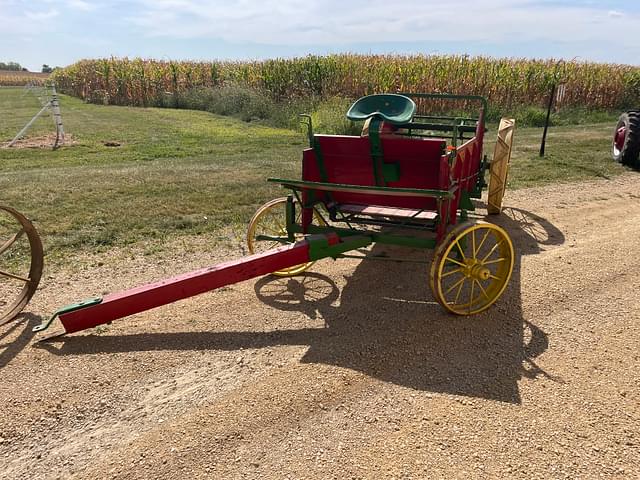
(630, 152)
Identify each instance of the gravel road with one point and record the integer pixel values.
(349, 372)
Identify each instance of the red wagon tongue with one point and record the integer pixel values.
(98, 311)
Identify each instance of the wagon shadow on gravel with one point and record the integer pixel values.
(386, 324)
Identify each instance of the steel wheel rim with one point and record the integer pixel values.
(270, 219)
(30, 277)
(472, 268)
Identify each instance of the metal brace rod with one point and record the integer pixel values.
(26, 127)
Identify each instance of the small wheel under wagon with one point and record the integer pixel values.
(626, 140)
(268, 229)
(21, 262)
(471, 267)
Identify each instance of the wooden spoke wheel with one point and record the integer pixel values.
(268, 229)
(21, 262)
(472, 267)
(499, 167)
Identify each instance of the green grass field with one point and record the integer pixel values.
(180, 172)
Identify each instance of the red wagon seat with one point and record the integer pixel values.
(422, 163)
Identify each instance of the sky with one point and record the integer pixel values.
(59, 32)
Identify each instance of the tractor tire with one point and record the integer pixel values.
(626, 150)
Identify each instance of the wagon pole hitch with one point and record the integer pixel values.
(100, 310)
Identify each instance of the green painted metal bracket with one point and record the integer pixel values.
(391, 172)
(481, 184)
(319, 246)
(69, 308)
(465, 201)
(290, 216)
(309, 124)
(315, 143)
(345, 234)
(377, 155)
(383, 172)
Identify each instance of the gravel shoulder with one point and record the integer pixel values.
(352, 371)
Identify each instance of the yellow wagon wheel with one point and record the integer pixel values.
(21, 262)
(471, 267)
(270, 221)
(499, 168)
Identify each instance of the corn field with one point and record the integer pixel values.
(12, 78)
(506, 82)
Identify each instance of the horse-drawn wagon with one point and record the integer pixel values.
(407, 180)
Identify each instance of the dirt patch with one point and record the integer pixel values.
(352, 371)
(42, 141)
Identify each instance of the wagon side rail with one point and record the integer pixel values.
(300, 185)
(455, 125)
(448, 96)
(444, 198)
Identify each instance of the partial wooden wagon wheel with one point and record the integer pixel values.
(499, 168)
(471, 267)
(21, 262)
(268, 229)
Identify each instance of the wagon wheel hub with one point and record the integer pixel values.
(480, 272)
(475, 269)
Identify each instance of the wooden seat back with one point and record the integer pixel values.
(419, 162)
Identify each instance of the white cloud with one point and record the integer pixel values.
(25, 18)
(29, 17)
(81, 5)
(334, 22)
(41, 16)
(181, 28)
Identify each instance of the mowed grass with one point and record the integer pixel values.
(182, 173)
(176, 172)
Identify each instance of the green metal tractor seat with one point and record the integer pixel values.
(390, 107)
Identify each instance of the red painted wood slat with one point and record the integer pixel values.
(139, 299)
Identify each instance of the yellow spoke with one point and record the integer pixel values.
(14, 276)
(481, 243)
(502, 259)
(455, 261)
(495, 278)
(484, 292)
(455, 285)
(451, 272)
(473, 244)
(455, 300)
(460, 250)
(493, 249)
